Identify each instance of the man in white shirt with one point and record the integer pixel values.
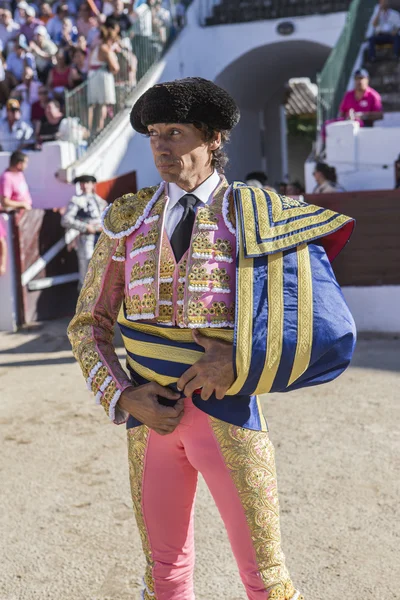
(386, 24)
(14, 132)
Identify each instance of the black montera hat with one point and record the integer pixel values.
(190, 100)
(85, 179)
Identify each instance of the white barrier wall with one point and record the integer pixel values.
(375, 308)
(8, 284)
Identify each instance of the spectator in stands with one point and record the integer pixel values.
(14, 191)
(78, 67)
(84, 214)
(69, 35)
(82, 43)
(257, 179)
(20, 58)
(27, 93)
(119, 15)
(38, 108)
(161, 20)
(31, 24)
(103, 65)
(50, 124)
(7, 83)
(86, 21)
(20, 13)
(326, 179)
(59, 77)
(43, 49)
(3, 249)
(180, 11)
(55, 24)
(45, 13)
(363, 103)
(386, 24)
(9, 30)
(14, 132)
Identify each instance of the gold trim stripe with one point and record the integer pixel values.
(275, 323)
(173, 333)
(149, 374)
(244, 319)
(304, 316)
(290, 231)
(263, 422)
(160, 352)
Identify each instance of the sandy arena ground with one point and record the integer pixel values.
(67, 530)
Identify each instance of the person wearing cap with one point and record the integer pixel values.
(386, 25)
(14, 190)
(21, 58)
(14, 132)
(363, 102)
(43, 50)
(219, 292)
(83, 214)
(20, 12)
(28, 29)
(9, 30)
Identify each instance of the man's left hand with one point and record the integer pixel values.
(213, 373)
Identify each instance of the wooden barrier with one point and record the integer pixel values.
(372, 257)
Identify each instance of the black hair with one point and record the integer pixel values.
(328, 172)
(220, 158)
(17, 157)
(259, 176)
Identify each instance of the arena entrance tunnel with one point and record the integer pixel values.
(257, 81)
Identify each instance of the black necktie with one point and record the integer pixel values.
(180, 238)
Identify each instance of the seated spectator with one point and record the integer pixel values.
(50, 124)
(3, 249)
(8, 83)
(363, 103)
(45, 13)
(27, 93)
(78, 68)
(9, 30)
(55, 24)
(38, 107)
(69, 35)
(31, 23)
(43, 50)
(180, 12)
(326, 179)
(20, 58)
(86, 21)
(161, 20)
(20, 13)
(59, 77)
(14, 191)
(256, 179)
(82, 43)
(14, 132)
(120, 16)
(386, 24)
(71, 4)
(282, 187)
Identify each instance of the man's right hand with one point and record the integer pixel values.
(142, 403)
(90, 228)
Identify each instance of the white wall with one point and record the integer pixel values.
(375, 308)
(363, 157)
(8, 292)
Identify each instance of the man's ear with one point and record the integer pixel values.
(216, 143)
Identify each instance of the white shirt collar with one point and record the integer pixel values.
(203, 192)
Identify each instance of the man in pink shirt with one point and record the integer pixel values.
(14, 191)
(363, 102)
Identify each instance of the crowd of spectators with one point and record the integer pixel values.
(49, 48)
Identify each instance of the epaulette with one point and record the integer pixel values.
(273, 223)
(128, 212)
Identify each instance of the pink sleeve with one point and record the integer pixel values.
(6, 187)
(91, 331)
(344, 106)
(376, 105)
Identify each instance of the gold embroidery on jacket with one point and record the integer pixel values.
(250, 458)
(137, 445)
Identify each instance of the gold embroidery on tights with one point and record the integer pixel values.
(250, 457)
(137, 444)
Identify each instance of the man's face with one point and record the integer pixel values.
(118, 6)
(87, 187)
(361, 83)
(180, 151)
(7, 18)
(13, 115)
(21, 166)
(384, 4)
